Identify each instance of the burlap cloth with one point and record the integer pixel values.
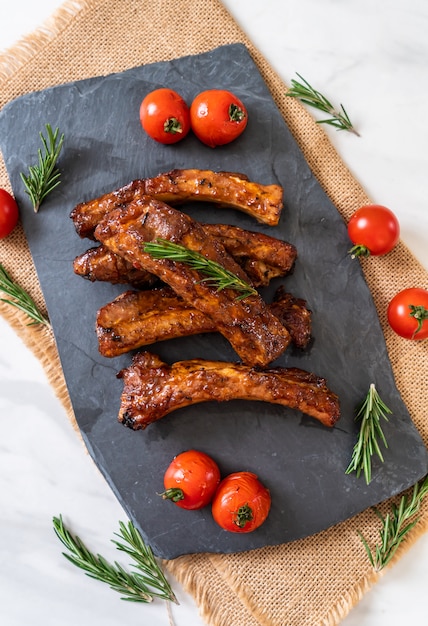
(314, 581)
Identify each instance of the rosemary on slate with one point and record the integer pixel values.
(370, 413)
(307, 94)
(216, 274)
(20, 298)
(44, 176)
(395, 526)
(143, 585)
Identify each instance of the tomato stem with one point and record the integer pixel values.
(419, 313)
(243, 515)
(236, 114)
(172, 125)
(174, 493)
(359, 250)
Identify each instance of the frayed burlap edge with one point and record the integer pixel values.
(31, 45)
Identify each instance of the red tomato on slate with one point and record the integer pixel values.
(165, 116)
(374, 230)
(9, 213)
(191, 480)
(217, 117)
(241, 503)
(408, 313)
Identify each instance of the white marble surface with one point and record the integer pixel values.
(373, 58)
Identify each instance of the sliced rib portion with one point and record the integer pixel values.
(262, 257)
(100, 264)
(226, 189)
(141, 318)
(152, 388)
(254, 332)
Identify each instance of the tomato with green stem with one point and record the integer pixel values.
(9, 213)
(191, 480)
(408, 313)
(241, 503)
(374, 230)
(165, 116)
(217, 117)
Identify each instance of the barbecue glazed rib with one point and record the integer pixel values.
(100, 264)
(141, 318)
(256, 335)
(152, 388)
(262, 257)
(225, 189)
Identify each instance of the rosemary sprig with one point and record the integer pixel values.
(395, 526)
(44, 176)
(308, 95)
(143, 585)
(216, 274)
(20, 298)
(370, 413)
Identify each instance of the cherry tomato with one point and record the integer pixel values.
(165, 116)
(241, 503)
(408, 313)
(374, 230)
(217, 117)
(191, 480)
(9, 213)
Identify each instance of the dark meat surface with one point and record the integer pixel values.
(152, 388)
(254, 332)
(225, 189)
(262, 257)
(100, 264)
(141, 318)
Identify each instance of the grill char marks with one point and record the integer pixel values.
(225, 189)
(254, 332)
(153, 389)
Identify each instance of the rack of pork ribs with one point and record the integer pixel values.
(169, 299)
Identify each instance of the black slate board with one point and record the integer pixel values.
(302, 462)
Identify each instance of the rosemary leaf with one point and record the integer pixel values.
(395, 526)
(143, 585)
(44, 176)
(304, 92)
(20, 299)
(216, 275)
(370, 413)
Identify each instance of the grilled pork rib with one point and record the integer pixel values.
(152, 388)
(225, 189)
(100, 264)
(262, 257)
(141, 318)
(254, 332)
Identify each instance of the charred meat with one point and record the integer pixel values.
(254, 332)
(262, 257)
(141, 318)
(152, 388)
(225, 189)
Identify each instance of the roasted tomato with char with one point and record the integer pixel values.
(191, 480)
(217, 117)
(241, 503)
(165, 116)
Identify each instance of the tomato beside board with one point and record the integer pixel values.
(217, 117)
(191, 480)
(408, 313)
(165, 116)
(241, 503)
(374, 230)
(9, 213)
